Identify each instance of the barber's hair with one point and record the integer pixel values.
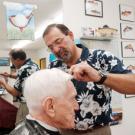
(64, 29)
(43, 84)
(18, 54)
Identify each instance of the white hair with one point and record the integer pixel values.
(44, 83)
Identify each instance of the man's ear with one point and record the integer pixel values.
(71, 35)
(48, 106)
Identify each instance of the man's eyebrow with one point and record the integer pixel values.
(54, 42)
(57, 39)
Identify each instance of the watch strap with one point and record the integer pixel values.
(103, 78)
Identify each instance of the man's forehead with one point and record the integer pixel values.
(54, 31)
(52, 35)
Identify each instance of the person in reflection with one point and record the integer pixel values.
(50, 97)
(25, 68)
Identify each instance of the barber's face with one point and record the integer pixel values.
(16, 62)
(65, 108)
(61, 45)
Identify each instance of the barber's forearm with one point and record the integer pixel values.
(11, 90)
(123, 83)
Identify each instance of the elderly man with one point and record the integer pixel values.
(25, 68)
(94, 97)
(50, 97)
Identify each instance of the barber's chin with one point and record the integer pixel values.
(65, 58)
(62, 59)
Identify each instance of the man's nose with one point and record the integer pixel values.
(56, 49)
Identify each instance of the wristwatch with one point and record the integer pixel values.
(103, 77)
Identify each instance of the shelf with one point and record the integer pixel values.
(98, 38)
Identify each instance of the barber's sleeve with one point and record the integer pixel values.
(19, 83)
(115, 65)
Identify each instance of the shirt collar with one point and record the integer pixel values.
(85, 52)
(27, 61)
(42, 123)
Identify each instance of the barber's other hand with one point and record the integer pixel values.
(84, 72)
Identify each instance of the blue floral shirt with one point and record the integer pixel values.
(94, 100)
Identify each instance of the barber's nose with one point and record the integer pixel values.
(56, 49)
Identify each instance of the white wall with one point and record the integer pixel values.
(74, 18)
(127, 127)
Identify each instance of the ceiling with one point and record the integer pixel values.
(47, 11)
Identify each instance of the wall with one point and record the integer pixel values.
(111, 18)
(33, 55)
(78, 16)
(74, 18)
(128, 122)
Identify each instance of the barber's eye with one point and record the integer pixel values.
(59, 41)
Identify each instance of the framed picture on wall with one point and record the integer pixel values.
(130, 64)
(128, 49)
(94, 8)
(4, 61)
(127, 13)
(127, 31)
(42, 63)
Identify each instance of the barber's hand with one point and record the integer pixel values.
(84, 72)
